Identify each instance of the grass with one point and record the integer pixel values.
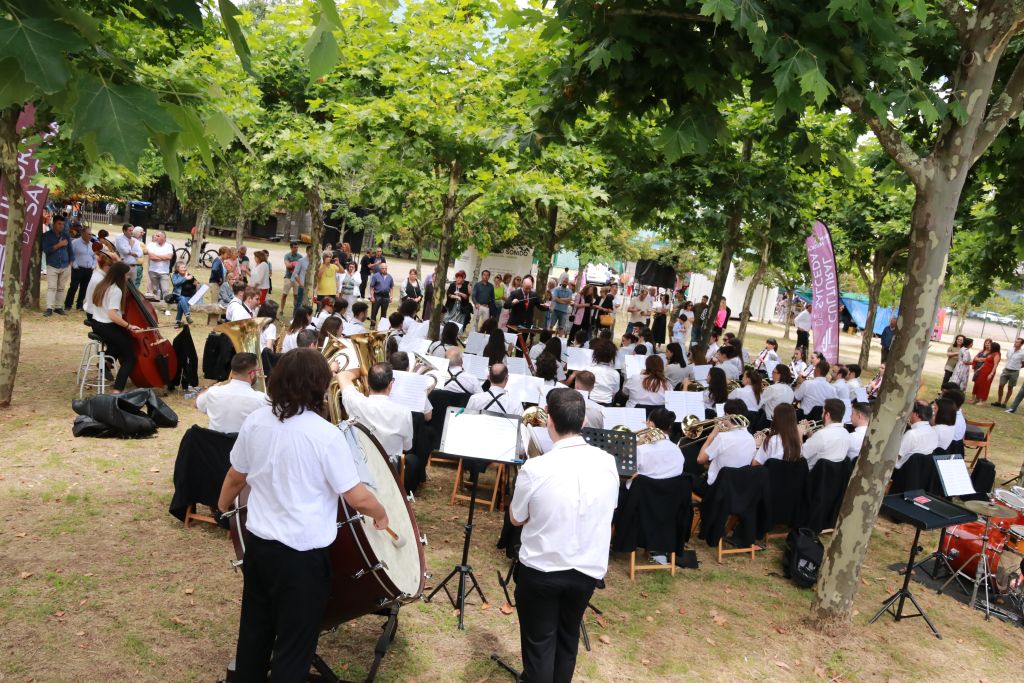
(86, 519)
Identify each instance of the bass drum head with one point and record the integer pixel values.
(405, 565)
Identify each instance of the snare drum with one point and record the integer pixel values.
(1010, 500)
(368, 572)
(1015, 539)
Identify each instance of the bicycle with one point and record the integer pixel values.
(205, 260)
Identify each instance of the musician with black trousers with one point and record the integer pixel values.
(521, 303)
(296, 467)
(564, 501)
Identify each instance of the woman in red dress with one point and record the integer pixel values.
(986, 372)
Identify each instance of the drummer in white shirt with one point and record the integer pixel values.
(921, 437)
(647, 388)
(731, 447)
(860, 418)
(812, 393)
(944, 422)
(750, 392)
(390, 422)
(831, 442)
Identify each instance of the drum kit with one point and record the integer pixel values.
(989, 555)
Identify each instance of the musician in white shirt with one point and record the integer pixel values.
(783, 442)
(770, 352)
(459, 381)
(495, 399)
(326, 311)
(243, 304)
(750, 392)
(595, 413)
(952, 391)
(709, 355)
(356, 324)
(660, 459)
(944, 422)
(921, 437)
(728, 359)
(564, 501)
(861, 418)
(798, 365)
(853, 380)
(729, 447)
(228, 404)
(831, 442)
(647, 388)
(606, 377)
(813, 392)
(779, 392)
(390, 422)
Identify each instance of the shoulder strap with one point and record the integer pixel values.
(455, 378)
(494, 399)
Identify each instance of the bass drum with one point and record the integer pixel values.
(369, 571)
(962, 543)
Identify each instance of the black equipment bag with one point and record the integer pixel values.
(802, 557)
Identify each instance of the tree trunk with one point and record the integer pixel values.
(547, 252)
(10, 345)
(931, 229)
(315, 204)
(961, 318)
(444, 250)
(789, 311)
(34, 284)
(869, 325)
(419, 255)
(755, 281)
(196, 253)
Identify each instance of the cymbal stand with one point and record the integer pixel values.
(982, 575)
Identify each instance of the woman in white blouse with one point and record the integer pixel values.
(675, 364)
(260, 278)
(779, 392)
(348, 283)
(449, 340)
(300, 321)
(799, 363)
(750, 392)
(109, 324)
(944, 421)
(649, 387)
(783, 442)
(606, 377)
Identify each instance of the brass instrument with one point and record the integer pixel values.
(245, 338)
(336, 350)
(693, 428)
(733, 385)
(808, 427)
(694, 385)
(369, 348)
(649, 435)
(761, 436)
(423, 367)
(535, 416)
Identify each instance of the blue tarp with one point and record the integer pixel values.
(858, 310)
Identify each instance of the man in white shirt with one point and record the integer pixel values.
(831, 442)
(357, 323)
(390, 422)
(813, 392)
(160, 255)
(853, 381)
(1011, 373)
(585, 380)
(803, 323)
(639, 310)
(459, 381)
(660, 459)
(229, 403)
(921, 437)
(129, 249)
(709, 355)
(496, 399)
(296, 467)
(564, 501)
(726, 448)
(243, 304)
(861, 419)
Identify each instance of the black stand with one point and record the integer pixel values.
(463, 570)
(904, 594)
(941, 561)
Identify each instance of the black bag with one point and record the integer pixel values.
(802, 557)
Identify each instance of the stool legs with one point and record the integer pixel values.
(94, 359)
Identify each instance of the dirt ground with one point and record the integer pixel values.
(99, 583)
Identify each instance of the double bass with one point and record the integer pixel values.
(156, 363)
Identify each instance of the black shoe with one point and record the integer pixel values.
(48, 312)
(998, 405)
(59, 311)
(188, 319)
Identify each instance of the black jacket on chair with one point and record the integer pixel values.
(983, 477)
(199, 470)
(655, 515)
(918, 472)
(740, 491)
(217, 355)
(823, 495)
(786, 482)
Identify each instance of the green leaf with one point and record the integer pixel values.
(225, 131)
(189, 9)
(683, 135)
(719, 10)
(14, 89)
(168, 145)
(193, 133)
(814, 82)
(322, 52)
(228, 16)
(119, 118)
(329, 11)
(39, 46)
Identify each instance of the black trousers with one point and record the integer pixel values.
(551, 606)
(803, 339)
(380, 305)
(283, 598)
(946, 374)
(119, 345)
(79, 280)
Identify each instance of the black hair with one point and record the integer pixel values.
(823, 367)
(785, 374)
(662, 419)
(554, 347)
(640, 350)
(298, 383)
(922, 410)
(300, 320)
(835, 409)
(545, 335)
(566, 411)
(864, 409)
(735, 406)
(396, 319)
(379, 376)
(238, 288)
(854, 369)
(952, 391)
(945, 411)
(450, 334)
(678, 356)
(306, 338)
(399, 361)
(546, 367)
(243, 362)
(359, 308)
(267, 309)
(774, 344)
(496, 350)
(604, 352)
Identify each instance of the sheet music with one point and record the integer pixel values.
(769, 366)
(684, 403)
(475, 343)
(521, 389)
(415, 345)
(634, 365)
(720, 409)
(198, 296)
(700, 372)
(956, 480)
(487, 437)
(410, 390)
(861, 394)
(620, 357)
(417, 330)
(475, 365)
(634, 418)
(512, 339)
(516, 366)
(579, 359)
(437, 363)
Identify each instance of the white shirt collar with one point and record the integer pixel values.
(568, 442)
(920, 425)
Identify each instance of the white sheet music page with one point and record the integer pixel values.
(512, 339)
(410, 390)
(488, 437)
(634, 365)
(475, 365)
(861, 394)
(769, 366)
(475, 343)
(414, 345)
(956, 480)
(579, 359)
(700, 372)
(684, 403)
(520, 388)
(517, 366)
(634, 418)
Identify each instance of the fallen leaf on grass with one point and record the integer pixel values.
(682, 610)
(178, 620)
(709, 642)
(819, 672)
(601, 621)
(80, 633)
(506, 609)
(650, 619)
(25, 575)
(21, 535)
(59, 613)
(485, 606)
(645, 662)
(81, 603)
(783, 665)
(781, 631)
(190, 591)
(865, 581)
(719, 620)
(606, 640)
(643, 594)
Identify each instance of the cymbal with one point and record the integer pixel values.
(987, 509)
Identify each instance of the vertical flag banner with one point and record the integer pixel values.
(821, 258)
(35, 201)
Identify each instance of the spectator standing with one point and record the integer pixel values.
(483, 299)
(128, 249)
(561, 303)
(140, 236)
(83, 261)
(381, 284)
(57, 247)
(291, 259)
(160, 255)
(804, 322)
(888, 334)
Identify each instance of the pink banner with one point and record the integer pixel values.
(35, 201)
(821, 258)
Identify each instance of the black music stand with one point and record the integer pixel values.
(463, 570)
(924, 513)
(955, 482)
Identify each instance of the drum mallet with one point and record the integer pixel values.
(396, 540)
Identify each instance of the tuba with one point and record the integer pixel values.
(336, 350)
(535, 416)
(245, 338)
(369, 348)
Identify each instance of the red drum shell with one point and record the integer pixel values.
(962, 541)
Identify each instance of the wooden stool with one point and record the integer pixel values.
(190, 515)
(634, 567)
(494, 489)
(729, 526)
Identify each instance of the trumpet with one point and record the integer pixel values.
(643, 436)
(761, 436)
(808, 427)
(693, 428)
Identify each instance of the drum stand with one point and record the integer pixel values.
(463, 570)
(982, 575)
(904, 594)
(941, 561)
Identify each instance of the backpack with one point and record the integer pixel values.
(802, 557)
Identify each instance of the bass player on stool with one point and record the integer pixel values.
(564, 501)
(296, 467)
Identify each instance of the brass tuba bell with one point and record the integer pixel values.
(535, 416)
(245, 338)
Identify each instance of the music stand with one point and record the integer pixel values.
(956, 481)
(458, 444)
(924, 513)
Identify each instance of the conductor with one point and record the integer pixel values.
(296, 467)
(564, 501)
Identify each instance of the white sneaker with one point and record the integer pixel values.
(659, 559)
(1011, 410)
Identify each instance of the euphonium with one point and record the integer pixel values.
(535, 416)
(334, 351)
(245, 338)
